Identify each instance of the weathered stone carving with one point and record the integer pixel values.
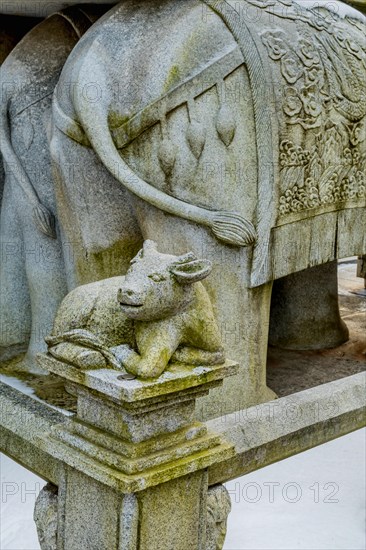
(218, 509)
(174, 135)
(32, 274)
(311, 76)
(159, 312)
(181, 128)
(324, 90)
(228, 226)
(46, 517)
(135, 458)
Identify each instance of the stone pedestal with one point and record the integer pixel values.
(305, 310)
(135, 459)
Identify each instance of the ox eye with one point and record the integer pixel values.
(157, 277)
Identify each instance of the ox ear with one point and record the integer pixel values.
(191, 272)
(138, 257)
(190, 257)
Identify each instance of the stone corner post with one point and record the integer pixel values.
(136, 460)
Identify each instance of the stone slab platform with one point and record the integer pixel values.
(111, 383)
(261, 435)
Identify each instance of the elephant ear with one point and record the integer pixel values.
(191, 272)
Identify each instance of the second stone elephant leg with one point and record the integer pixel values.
(46, 280)
(99, 232)
(15, 315)
(305, 310)
(42, 255)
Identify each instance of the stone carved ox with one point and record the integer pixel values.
(237, 130)
(161, 312)
(32, 274)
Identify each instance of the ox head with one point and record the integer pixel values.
(159, 285)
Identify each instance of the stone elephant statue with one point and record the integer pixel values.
(32, 273)
(232, 129)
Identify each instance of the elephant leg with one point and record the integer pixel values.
(242, 313)
(361, 268)
(305, 310)
(2, 180)
(99, 231)
(42, 255)
(15, 314)
(47, 287)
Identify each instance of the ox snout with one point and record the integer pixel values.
(130, 297)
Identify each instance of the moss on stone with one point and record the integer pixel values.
(49, 388)
(116, 120)
(173, 78)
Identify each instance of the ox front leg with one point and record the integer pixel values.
(156, 347)
(194, 356)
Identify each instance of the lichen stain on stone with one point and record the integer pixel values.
(13, 367)
(106, 264)
(116, 120)
(74, 133)
(173, 78)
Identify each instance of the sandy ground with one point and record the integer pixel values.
(292, 371)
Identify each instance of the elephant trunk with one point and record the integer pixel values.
(43, 218)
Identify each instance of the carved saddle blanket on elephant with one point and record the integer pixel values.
(306, 73)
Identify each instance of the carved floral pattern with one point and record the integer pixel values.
(307, 53)
(311, 101)
(322, 87)
(292, 102)
(276, 44)
(315, 76)
(291, 68)
(313, 181)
